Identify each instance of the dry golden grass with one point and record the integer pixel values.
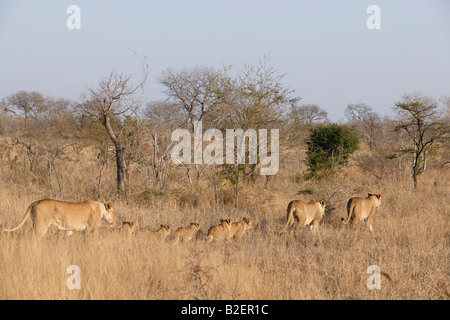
(410, 245)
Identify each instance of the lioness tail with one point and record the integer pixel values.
(27, 213)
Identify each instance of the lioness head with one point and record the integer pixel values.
(323, 203)
(110, 214)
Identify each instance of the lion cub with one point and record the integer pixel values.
(238, 228)
(219, 232)
(126, 230)
(187, 233)
(161, 234)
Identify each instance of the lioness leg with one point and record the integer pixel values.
(370, 221)
(40, 225)
(40, 230)
(315, 226)
(315, 230)
(355, 217)
(301, 221)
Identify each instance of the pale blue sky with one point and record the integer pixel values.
(324, 47)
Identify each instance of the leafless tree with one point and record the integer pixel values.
(25, 104)
(420, 117)
(308, 114)
(255, 99)
(365, 122)
(161, 118)
(115, 96)
(192, 89)
(357, 112)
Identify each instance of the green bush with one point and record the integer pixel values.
(329, 146)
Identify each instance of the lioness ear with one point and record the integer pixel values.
(323, 202)
(108, 205)
(379, 196)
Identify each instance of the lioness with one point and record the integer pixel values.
(219, 232)
(238, 229)
(187, 233)
(362, 209)
(68, 216)
(305, 214)
(161, 234)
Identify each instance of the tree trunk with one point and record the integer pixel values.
(121, 170)
(414, 174)
(415, 179)
(120, 157)
(236, 194)
(236, 190)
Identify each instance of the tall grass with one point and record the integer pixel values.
(410, 245)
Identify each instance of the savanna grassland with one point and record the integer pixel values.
(410, 243)
(110, 147)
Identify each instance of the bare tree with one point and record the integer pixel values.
(419, 116)
(161, 118)
(365, 122)
(255, 99)
(192, 89)
(25, 104)
(357, 112)
(308, 114)
(114, 97)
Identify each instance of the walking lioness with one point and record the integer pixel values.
(362, 209)
(68, 216)
(304, 213)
